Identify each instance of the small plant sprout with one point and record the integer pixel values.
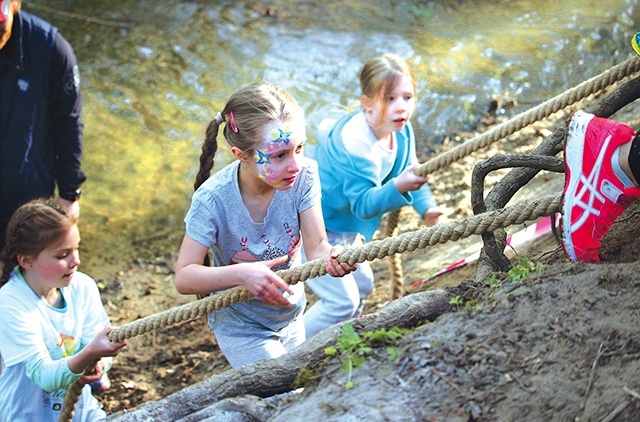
(355, 348)
(493, 282)
(456, 301)
(524, 269)
(472, 304)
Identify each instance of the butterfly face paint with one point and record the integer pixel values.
(277, 161)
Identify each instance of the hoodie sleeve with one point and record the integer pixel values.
(358, 180)
(368, 196)
(422, 198)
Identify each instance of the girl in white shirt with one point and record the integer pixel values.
(52, 322)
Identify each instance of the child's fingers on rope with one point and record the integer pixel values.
(408, 180)
(90, 376)
(431, 216)
(273, 294)
(104, 346)
(335, 268)
(265, 284)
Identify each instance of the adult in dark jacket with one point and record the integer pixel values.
(41, 129)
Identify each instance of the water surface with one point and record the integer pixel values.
(154, 73)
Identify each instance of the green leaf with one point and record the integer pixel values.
(357, 361)
(394, 353)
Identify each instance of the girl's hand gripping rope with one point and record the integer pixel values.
(265, 284)
(335, 268)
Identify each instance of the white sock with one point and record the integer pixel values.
(615, 164)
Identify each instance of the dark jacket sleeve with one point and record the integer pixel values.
(65, 120)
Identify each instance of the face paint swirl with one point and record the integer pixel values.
(271, 159)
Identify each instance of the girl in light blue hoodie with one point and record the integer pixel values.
(366, 161)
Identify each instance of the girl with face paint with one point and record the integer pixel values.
(253, 215)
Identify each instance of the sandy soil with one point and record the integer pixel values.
(561, 344)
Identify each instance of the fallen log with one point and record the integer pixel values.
(267, 378)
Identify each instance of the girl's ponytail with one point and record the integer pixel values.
(209, 149)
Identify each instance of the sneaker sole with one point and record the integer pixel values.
(573, 151)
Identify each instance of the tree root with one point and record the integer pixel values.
(492, 256)
(267, 378)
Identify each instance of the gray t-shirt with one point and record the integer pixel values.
(219, 220)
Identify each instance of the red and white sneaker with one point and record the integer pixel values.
(593, 195)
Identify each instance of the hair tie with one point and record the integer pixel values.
(219, 119)
(232, 122)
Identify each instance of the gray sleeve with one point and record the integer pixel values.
(311, 192)
(200, 223)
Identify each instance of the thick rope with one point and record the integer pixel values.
(406, 242)
(519, 122)
(69, 404)
(396, 282)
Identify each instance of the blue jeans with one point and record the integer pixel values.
(341, 298)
